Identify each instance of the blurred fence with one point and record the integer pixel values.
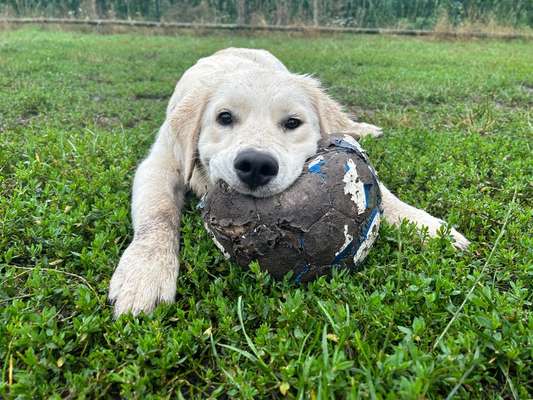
(399, 14)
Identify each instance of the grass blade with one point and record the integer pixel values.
(481, 273)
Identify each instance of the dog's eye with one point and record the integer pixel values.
(292, 123)
(225, 118)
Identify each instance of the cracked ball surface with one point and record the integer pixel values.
(328, 218)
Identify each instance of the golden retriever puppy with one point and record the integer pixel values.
(240, 116)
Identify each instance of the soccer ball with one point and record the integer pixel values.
(328, 218)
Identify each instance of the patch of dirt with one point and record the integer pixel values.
(498, 105)
(151, 96)
(105, 121)
(24, 120)
(99, 79)
(528, 89)
(360, 114)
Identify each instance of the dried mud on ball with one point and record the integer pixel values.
(328, 217)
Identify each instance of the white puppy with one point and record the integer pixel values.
(240, 116)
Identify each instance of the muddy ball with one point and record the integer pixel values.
(328, 218)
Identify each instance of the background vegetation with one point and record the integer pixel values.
(421, 14)
(77, 114)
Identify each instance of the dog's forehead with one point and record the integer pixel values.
(262, 88)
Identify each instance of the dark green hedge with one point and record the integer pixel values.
(365, 13)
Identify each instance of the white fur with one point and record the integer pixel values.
(192, 152)
(260, 101)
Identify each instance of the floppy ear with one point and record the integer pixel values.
(332, 117)
(185, 120)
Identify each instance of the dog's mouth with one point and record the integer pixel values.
(272, 188)
(260, 192)
(222, 171)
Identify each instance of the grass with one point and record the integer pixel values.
(78, 112)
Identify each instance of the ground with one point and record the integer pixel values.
(79, 111)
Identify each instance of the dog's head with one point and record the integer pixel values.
(254, 129)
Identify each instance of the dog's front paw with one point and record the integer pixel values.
(145, 276)
(459, 241)
(364, 129)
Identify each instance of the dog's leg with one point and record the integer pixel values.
(361, 129)
(395, 210)
(147, 271)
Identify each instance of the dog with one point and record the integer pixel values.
(238, 115)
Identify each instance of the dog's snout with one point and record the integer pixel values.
(255, 168)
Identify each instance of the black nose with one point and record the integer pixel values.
(255, 168)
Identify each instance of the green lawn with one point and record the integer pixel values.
(79, 111)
